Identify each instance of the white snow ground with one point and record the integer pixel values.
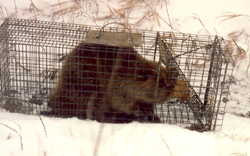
(26, 135)
(73, 137)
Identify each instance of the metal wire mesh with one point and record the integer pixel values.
(32, 54)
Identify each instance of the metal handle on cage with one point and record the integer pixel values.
(102, 28)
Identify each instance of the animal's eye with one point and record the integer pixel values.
(145, 77)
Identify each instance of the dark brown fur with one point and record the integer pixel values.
(110, 84)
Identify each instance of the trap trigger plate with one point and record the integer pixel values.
(114, 38)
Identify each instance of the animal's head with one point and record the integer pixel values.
(139, 79)
(181, 91)
(149, 83)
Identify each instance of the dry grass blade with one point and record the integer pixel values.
(129, 2)
(235, 34)
(141, 19)
(241, 53)
(119, 12)
(4, 12)
(104, 17)
(239, 154)
(114, 11)
(98, 140)
(33, 9)
(110, 10)
(15, 6)
(149, 9)
(158, 16)
(196, 17)
(19, 134)
(230, 47)
(169, 17)
(60, 9)
(231, 137)
(20, 64)
(158, 21)
(58, 4)
(231, 15)
(166, 145)
(66, 9)
(43, 125)
(9, 136)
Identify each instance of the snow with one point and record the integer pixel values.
(81, 137)
(57, 136)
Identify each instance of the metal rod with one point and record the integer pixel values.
(209, 80)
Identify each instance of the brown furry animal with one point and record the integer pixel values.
(110, 84)
(181, 91)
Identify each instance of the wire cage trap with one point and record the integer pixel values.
(113, 74)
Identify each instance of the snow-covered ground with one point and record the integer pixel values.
(30, 135)
(73, 137)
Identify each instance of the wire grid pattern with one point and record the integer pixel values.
(32, 53)
(206, 66)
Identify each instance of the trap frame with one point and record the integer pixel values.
(32, 53)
